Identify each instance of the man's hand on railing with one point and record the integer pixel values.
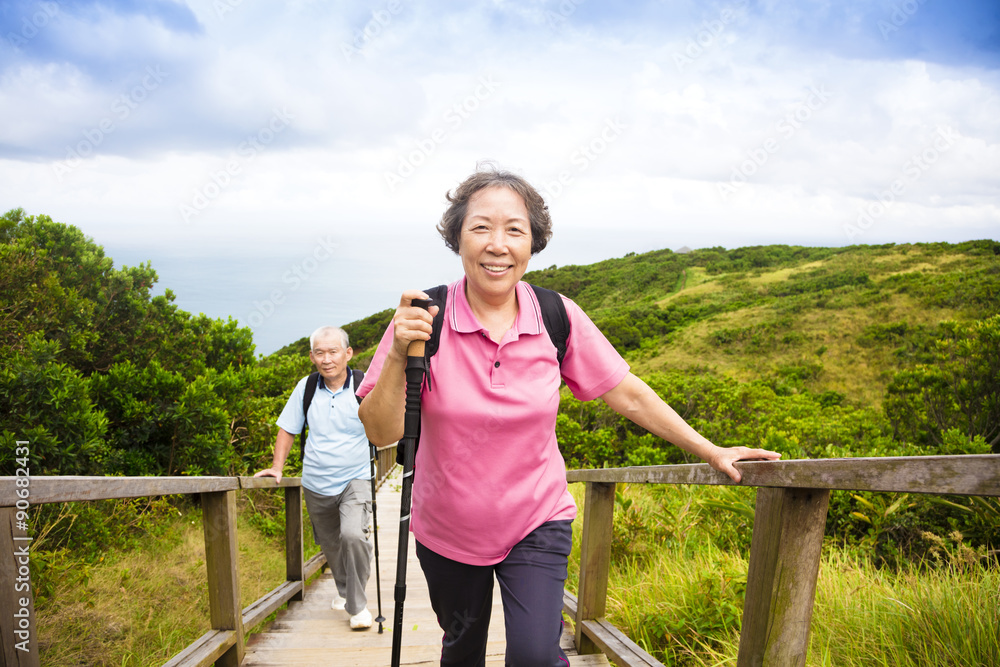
(724, 457)
(282, 445)
(270, 472)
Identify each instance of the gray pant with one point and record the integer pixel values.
(340, 526)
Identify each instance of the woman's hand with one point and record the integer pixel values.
(411, 323)
(382, 409)
(724, 457)
(632, 398)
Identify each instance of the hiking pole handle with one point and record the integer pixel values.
(416, 347)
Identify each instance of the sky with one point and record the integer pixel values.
(285, 163)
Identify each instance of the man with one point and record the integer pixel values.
(336, 469)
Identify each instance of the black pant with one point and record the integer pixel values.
(532, 578)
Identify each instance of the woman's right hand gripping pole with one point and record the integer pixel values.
(382, 409)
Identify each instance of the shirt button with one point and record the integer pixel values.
(496, 364)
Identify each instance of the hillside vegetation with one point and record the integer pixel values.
(821, 319)
(814, 352)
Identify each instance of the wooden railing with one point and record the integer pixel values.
(224, 643)
(791, 507)
(789, 522)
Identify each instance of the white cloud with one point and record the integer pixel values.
(630, 144)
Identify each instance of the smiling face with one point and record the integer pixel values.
(495, 245)
(330, 356)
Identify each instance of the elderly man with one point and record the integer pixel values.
(336, 470)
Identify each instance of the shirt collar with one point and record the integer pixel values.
(462, 319)
(347, 382)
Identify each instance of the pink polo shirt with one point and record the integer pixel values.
(488, 469)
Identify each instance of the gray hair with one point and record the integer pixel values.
(488, 175)
(323, 332)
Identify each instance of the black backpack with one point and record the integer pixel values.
(554, 318)
(307, 397)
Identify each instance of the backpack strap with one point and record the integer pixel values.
(307, 397)
(439, 295)
(554, 317)
(359, 376)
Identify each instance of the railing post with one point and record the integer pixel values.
(222, 561)
(294, 566)
(781, 581)
(18, 627)
(595, 559)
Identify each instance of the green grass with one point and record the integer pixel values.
(948, 615)
(140, 606)
(824, 329)
(678, 578)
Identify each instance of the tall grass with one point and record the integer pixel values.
(141, 603)
(677, 589)
(945, 615)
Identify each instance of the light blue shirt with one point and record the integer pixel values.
(336, 445)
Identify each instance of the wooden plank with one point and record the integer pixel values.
(313, 565)
(18, 629)
(385, 461)
(268, 482)
(205, 651)
(613, 643)
(973, 474)
(71, 488)
(293, 537)
(781, 581)
(222, 563)
(595, 559)
(271, 602)
(569, 604)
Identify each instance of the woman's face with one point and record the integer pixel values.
(495, 243)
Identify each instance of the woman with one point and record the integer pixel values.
(489, 493)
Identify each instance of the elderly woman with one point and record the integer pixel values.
(489, 493)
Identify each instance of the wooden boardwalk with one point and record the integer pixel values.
(311, 633)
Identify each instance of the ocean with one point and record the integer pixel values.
(287, 291)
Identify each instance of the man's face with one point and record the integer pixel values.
(330, 358)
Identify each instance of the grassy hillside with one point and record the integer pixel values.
(809, 351)
(814, 319)
(830, 319)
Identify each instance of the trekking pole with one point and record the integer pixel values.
(378, 577)
(416, 366)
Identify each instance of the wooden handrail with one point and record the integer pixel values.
(224, 644)
(967, 475)
(792, 500)
(789, 522)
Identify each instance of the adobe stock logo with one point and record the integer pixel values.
(786, 129)
(585, 155)
(296, 275)
(380, 20)
(901, 14)
(121, 108)
(30, 27)
(455, 116)
(709, 35)
(248, 149)
(913, 169)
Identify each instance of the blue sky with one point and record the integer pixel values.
(259, 136)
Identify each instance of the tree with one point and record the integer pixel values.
(961, 389)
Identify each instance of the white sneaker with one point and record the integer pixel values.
(338, 603)
(361, 620)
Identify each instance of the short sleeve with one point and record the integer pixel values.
(375, 368)
(291, 418)
(592, 365)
